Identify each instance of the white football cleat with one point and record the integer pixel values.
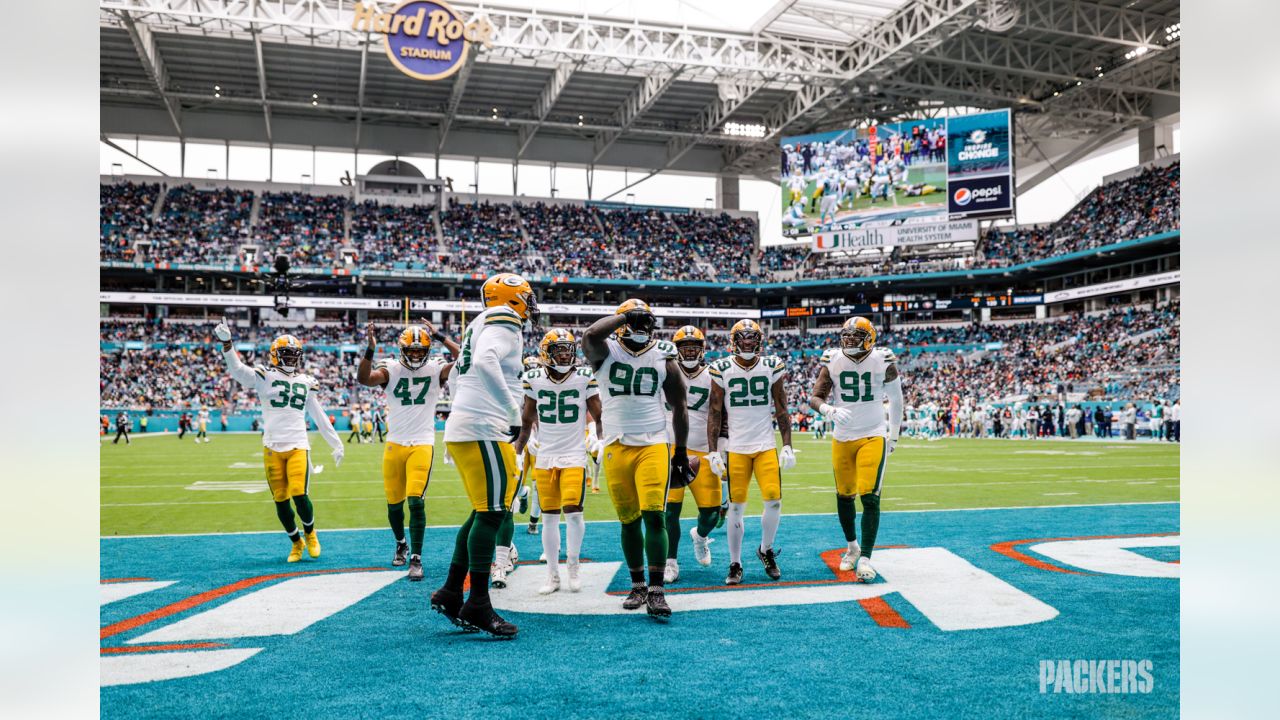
(551, 585)
(672, 571)
(514, 556)
(575, 582)
(701, 547)
(498, 575)
(542, 556)
(849, 560)
(866, 573)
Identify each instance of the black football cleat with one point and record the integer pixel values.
(735, 574)
(482, 617)
(656, 604)
(415, 569)
(770, 560)
(638, 596)
(402, 554)
(449, 604)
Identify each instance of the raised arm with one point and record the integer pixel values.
(593, 338)
(366, 374)
(443, 339)
(242, 373)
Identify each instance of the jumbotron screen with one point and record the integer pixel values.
(899, 182)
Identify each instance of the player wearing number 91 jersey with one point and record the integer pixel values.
(853, 383)
(287, 396)
(413, 385)
(636, 372)
(747, 391)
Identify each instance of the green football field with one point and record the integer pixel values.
(159, 485)
(934, 175)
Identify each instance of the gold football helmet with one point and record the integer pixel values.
(558, 350)
(636, 336)
(415, 345)
(691, 345)
(746, 339)
(513, 291)
(286, 354)
(857, 336)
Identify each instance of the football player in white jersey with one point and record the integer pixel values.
(636, 372)
(747, 390)
(483, 419)
(852, 385)
(691, 346)
(560, 398)
(288, 397)
(202, 425)
(413, 386)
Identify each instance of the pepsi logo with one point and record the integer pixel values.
(962, 196)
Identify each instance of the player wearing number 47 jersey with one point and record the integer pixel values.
(636, 372)
(287, 398)
(747, 391)
(691, 345)
(413, 386)
(851, 389)
(560, 399)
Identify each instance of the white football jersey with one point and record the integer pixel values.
(411, 401)
(634, 405)
(284, 407)
(748, 401)
(697, 393)
(477, 411)
(562, 415)
(859, 388)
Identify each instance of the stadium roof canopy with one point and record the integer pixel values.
(561, 85)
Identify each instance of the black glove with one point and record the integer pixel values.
(640, 320)
(680, 475)
(514, 431)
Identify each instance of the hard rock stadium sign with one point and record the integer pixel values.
(425, 39)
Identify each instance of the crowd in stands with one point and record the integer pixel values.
(577, 241)
(1142, 205)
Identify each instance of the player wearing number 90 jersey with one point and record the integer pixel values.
(636, 373)
(287, 396)
(747, 391)
(853, 383)
(413, 386)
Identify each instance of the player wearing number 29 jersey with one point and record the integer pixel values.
(413, 385)
(853, 383)
(636, 374)
(747, 391)
(287, 398)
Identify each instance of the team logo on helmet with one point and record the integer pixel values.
(415, 344)
(558, 350)
(513, 291)
(286, 354)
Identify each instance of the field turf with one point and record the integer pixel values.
(159, 485)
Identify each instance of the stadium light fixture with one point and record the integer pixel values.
(751, 130)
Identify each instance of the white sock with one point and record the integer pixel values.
(769, 523)
(854, 548)
(551, 541)
(574, 528)
(535, 510)
(735, 531)
(502, 555)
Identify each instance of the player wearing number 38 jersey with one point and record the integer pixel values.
(852, 386)
(413, 386)
(287, 396)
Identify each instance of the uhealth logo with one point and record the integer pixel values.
(963, 196)
(425, 39)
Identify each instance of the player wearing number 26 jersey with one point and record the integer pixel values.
(636, 373)
(287, 399)
(482, 421)
(853, 383)
(413, 385)
(560, 399)
(747, 391)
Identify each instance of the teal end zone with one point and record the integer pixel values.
(388, 655)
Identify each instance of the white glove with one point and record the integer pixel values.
(891, 443)
(222, 332)
(839, 415)
(717, 464)
(787, 458)
(337, 456)
(520, 462)
(596, 446)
